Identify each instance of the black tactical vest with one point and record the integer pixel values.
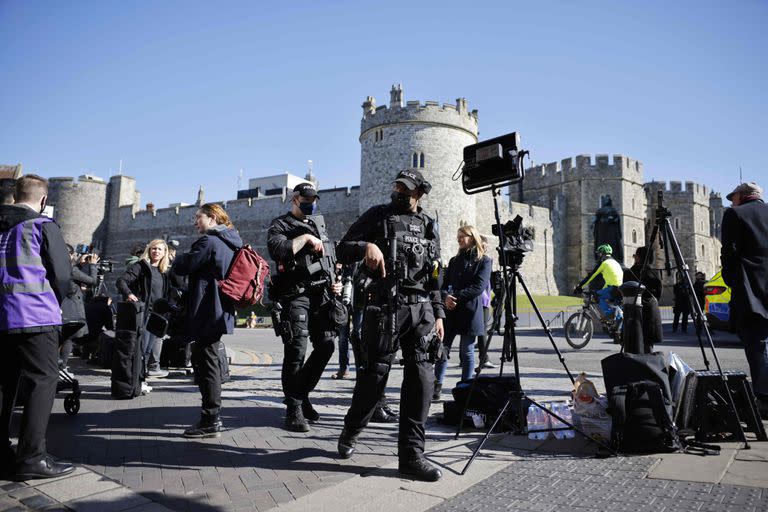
(417, 251)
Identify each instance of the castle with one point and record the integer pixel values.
(557, 200)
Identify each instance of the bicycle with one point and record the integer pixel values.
(579, 328)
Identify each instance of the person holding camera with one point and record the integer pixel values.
(400, 245)
(146, 281)
(467, 276)
(84, 273)
(294, 243)
(208, 315)
(35, 276)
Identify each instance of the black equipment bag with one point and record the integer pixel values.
(489, 395)
(176, 353)
(126, 358)
(704, 411)
(642, 419)
(105, 349)
(157, 325)
(624, 368)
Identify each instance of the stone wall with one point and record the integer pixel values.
(79, 208)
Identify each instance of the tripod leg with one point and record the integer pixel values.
(681, 264)
(486, 436)
(544, 325)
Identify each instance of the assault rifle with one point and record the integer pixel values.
(320, 268)
(390, 283)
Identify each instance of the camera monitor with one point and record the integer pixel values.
(494, 162)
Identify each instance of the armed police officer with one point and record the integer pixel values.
(400, 245)
(303, 289)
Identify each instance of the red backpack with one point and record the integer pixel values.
(243, 283)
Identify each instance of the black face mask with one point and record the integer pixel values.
(308, 208)
(401, 201)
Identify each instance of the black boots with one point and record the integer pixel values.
(294, 419)
(383, 414)
(45, 468)
(437, 390)
(346, 444)
(309, 412)
(419, 469)
(206, 427)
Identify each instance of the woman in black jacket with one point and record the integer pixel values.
(73, 305)
(146, 281)
(468, 274)
(209, 315)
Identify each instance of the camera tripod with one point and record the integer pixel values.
(509, 263)
(662, 231)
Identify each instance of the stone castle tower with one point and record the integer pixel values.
(574, 191)
(428, 137)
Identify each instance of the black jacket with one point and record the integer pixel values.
(137, 280)
(468, 277)
(73, 307)
(369, 228)
(650, 279)
(208, 316)
(280, 235)
(745, 259)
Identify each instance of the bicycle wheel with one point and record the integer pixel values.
(579, 329)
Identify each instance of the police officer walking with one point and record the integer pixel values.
(301, 289)
(404, 309)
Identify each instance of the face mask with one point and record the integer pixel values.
(401, 201)
(308, 208)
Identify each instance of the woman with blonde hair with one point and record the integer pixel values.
(466, 277)
(146, 281)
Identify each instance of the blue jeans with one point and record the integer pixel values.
(753, 333)
(344, 339)
(150, 346)
(608, 310)
(466, 356)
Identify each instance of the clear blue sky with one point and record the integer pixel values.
(187, 93)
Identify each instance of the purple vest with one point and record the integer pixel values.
(26, 298)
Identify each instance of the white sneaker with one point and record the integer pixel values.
(488, 364)
(145, 388)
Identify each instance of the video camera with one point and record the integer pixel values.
(517, 239)
(105, 267)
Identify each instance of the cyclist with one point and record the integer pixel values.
(612, 274)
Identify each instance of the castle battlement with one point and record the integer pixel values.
(430, 112)
(690, 192)
(68, 181)
(582, 166)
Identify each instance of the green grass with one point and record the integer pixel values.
(547, 302)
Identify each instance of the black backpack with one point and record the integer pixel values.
(642, 419)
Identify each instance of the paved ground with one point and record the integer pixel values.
(133, 457)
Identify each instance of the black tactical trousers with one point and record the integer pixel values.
(29, 365)
(305, 317)
(413, 322)
(205, 361)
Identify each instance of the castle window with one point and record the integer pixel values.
(415, 160)
(633, 203)
(702, 250)
(634, 235)
(677, 223)
(381, 134)
(421, 160)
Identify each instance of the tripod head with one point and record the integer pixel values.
(661, 211)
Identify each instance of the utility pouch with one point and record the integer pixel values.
(339, 314)
(277, 318)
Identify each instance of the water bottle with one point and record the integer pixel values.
(565, 413)
(537, 420)
(556, 408)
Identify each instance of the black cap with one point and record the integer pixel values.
(412, 179)
(305, 190)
